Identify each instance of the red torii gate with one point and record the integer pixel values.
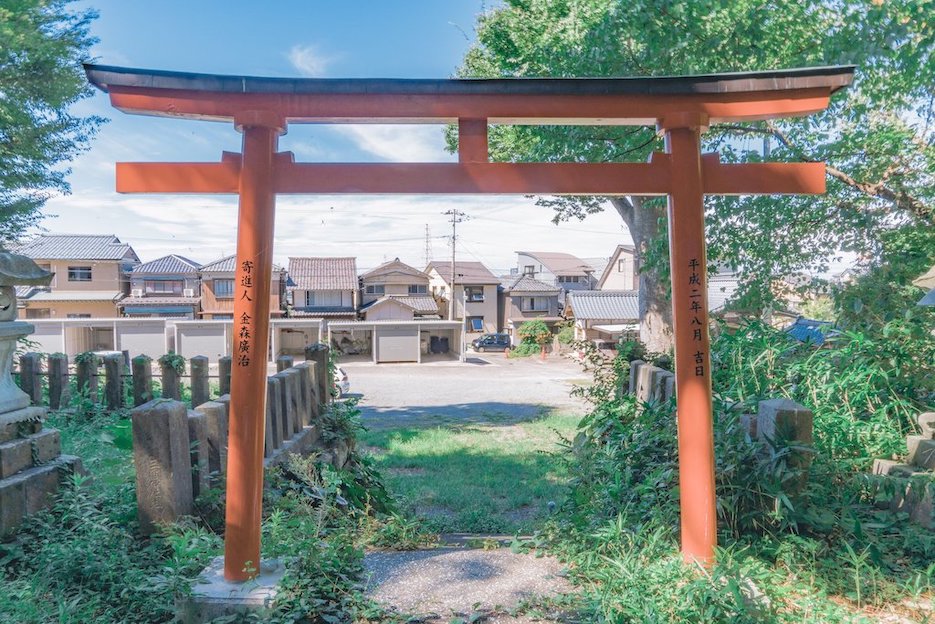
(680, 106)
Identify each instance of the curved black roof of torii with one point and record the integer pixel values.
(832, 77)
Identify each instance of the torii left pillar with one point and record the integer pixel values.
(255, 224)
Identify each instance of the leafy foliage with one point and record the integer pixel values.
(42, 45)
(876, 136)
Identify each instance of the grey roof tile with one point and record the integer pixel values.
(228, 264)
(465, 272)
(76, 247)
(323, 273)
(605, 305)
(168, 264)
(524, 283)
(559, 263)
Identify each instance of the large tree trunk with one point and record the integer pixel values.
(645, 223)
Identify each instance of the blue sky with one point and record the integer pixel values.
(405, 39)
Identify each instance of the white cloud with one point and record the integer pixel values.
(399, 142)
(308, 60)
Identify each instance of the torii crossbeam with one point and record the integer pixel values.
(681, 107)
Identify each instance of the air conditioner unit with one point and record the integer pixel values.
(188, 292)
(136, 292)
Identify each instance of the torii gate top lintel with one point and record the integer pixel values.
(680, 106)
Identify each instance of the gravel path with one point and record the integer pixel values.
(449, 582)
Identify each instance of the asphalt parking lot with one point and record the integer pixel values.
(488, 387)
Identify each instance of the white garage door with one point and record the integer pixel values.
(397, 344)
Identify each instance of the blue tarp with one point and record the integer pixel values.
(810, 330)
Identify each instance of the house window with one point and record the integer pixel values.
(222, 317)
(622, 265)
(165, 287)
(475, 323)
(224, 288)
(530, 270)
(535, 304)
(474, 293)
(79, 274)
(38, 313)
(418, 289)
(323, 298)
(375, 289)
(569, 279)
(78, 316)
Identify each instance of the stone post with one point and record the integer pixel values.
(317, 401)
(224, 372)
(170, 382)
(201, 389)
(305, 385)
(634, 375)
(283, 362)
(272, 438)
(216, 430)
(163, 463)
(142, 372)
(782, 422)
(58, 380)
(296, 400)
(86, 368)
(30, 380)
(198, 447)
(318, 353)
(113, 381)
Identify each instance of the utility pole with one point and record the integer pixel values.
(428, 245)
(456, 217)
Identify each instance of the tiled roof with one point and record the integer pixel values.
(524, 283)
(605, 305)
(323, 313)
(145, 301)
(168, 264)
(24, 292)
(419, 303)
(465, 272)
(228, 264)
(560, 264)
(394, 266)
(75, 247)
(324, 273)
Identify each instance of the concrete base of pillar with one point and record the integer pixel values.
(216, 597)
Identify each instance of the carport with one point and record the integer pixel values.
(400, 341)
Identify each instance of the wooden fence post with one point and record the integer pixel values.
(142, 380)
(201, 390)
(58, 380)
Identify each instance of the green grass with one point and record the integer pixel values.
(495, 477)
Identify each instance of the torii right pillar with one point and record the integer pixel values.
(690, 322)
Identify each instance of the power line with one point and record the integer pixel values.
(456, 217)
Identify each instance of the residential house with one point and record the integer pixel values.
(563, 270)
(90, 276)
(604, 315)
(621, 273)
(525, 299)
(324, 287)
(217, 289)
(396, 291)
(167, 287)
(474, 293)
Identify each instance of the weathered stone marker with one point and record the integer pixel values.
(634, 375)
(295, 397)
(317, 399)
(782, 422)
(163, 463)
(198, 446)
(201, 389)
(215, 414)
(273, 437)
(30, 370)
(86, 370)
(142, 371)
(113, 381)
(170, 382)
(318, 353)
(224, 372)
(283, 362)
(58, 380)
(305, 384)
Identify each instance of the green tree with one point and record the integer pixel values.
(42, 46)
(535, 332)
(878, 137)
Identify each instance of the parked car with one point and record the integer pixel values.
(341, 384)
(492, 342)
